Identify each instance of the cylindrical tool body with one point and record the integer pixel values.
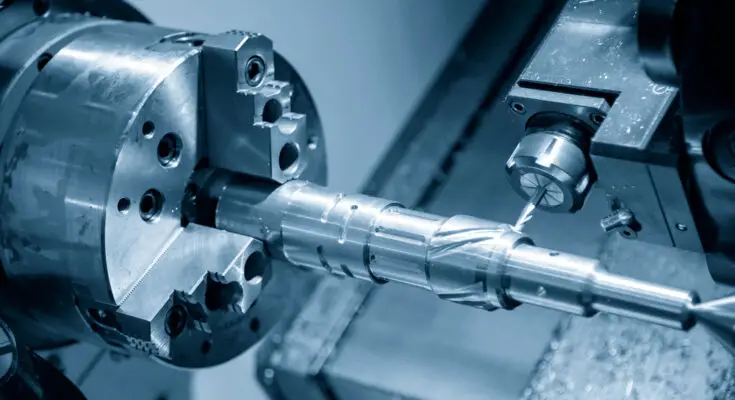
(466, 260)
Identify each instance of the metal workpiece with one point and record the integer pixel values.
(467, 259)
(369, 238)
(337, 242)
(609, 357)
(375, 240)
(462, 259)
(399, 245)
(579, 285)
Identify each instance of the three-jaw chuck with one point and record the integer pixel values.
(102, 123)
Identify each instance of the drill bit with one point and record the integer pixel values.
(527, 212)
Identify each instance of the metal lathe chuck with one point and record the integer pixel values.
(102, 123)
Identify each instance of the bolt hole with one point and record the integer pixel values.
(288, 156)
(313, 143)
(123, 205)
(206, 346)
(597, 118)
(553, 253)
(148, 129)
(151, 205)
(196, 43)
(41, 7)
(272, 111)
(626, 233)
(255, 70)
(43, 60)
(175, 321)
(255, 266)
(169, 150)
(517, 107)
(254, 325)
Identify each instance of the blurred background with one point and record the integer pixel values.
(367, 64)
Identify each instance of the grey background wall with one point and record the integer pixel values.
(367, 63)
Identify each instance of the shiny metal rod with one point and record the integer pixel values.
(462, 259)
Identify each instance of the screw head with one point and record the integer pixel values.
(517, 107)
(176, 321)
(254, 71)
(681, 227)
(597, 118)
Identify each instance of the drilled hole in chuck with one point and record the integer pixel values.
(255, 71)
(272, 111)
(123, 205)
(43, 60)
(169, 150)
(176, 321)
(288, 156)
(151, 205)
(255, 266)
(148, 129)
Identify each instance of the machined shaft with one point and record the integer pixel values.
(463, 259)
